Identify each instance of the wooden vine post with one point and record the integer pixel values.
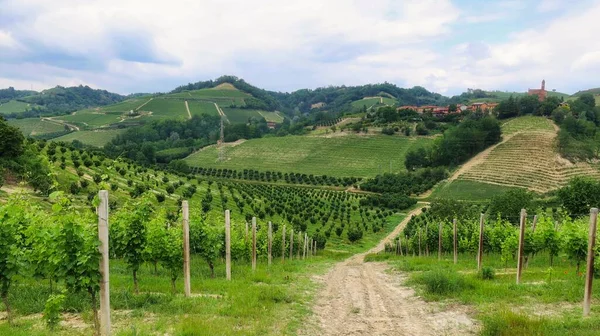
(426, 239)
(400, 244)
(419, 242)
(104, 263)
(185, 208)
(228, 244)
(589, 275)
(283, 245)
(440, 242)
(304, 247)
(315, 247)
(523, 221)
(253, 243)
(480, 251)
(270, 243)
(455, 242)
(292, 243)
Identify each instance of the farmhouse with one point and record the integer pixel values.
(541, 93)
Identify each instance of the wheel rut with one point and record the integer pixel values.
(360, 298)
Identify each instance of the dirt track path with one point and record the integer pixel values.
(187, 107)
(363, 299)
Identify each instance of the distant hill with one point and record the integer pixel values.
(55, 101)
(594, 91)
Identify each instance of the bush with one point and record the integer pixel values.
(441, 282)
(355, 233)
(52, 310)
(508, 323)
(487, 273)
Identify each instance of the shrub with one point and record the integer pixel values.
(442, 282)
(54, 305)
(355, 233)
(487, 273)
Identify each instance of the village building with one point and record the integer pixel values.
(541, 93)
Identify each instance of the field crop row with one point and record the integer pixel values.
(343, 156)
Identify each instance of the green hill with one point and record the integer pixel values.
(343, 156)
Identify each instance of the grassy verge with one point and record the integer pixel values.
(270, 301)
(547, 302)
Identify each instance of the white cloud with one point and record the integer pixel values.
(291, 44)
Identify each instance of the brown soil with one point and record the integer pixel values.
(361, 298)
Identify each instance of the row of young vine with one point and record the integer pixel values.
(62, 246)
(554, 234)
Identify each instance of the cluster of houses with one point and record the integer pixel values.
(541, 93)
(445, 110)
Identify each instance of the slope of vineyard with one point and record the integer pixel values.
(527, 159)
(345, 156)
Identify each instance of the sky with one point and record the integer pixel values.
(446, 46)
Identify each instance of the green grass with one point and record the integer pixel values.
(358, 104)
(91, 119)
(127, 105)
(93, 138)
(36, 126)
(358, 156)
(238, 115)
(14, 106)
(166, 108)
(202, 107)
(547, 302)
(270, 301)
(467, 190)
(527, 123)
(271, 116)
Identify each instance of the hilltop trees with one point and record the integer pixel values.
(578, 138)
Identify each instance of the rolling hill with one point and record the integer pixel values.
(526, 158)
(343, 156)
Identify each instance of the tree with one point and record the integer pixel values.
(579, 195)
(11, 141)
(509, 205)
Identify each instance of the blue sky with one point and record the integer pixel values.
(446, 46)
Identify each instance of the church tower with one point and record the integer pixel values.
(543, 84)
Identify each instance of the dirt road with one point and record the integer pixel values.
(363, 299)
(187, 107)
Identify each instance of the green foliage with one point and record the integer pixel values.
(128, 232)
(580, 195)
(355, 233)
(441, 282)
(11, 141)
(487, 273)
(206, 237)
(52, 309)
(509, 323)
(407, 182)
(508, 205)
(575, 240)
(457, 145)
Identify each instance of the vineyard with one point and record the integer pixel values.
(478, 259)
(528, 159)
(50, 277)
(347, 156)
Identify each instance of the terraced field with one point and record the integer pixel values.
(202, 107)
(36, 126)
(237, 115)
(94, 138)
(91, 118)
(358, 156)
(271, 116)
(14, 106)
(528, 159)
(126, 106)
(358, 104)
(166, 108)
